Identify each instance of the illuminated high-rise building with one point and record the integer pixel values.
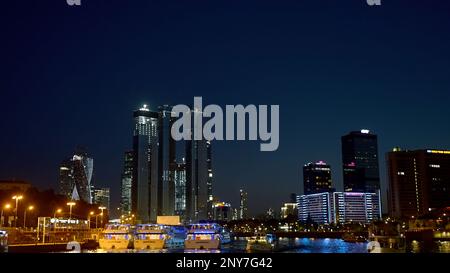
(145, 165)
(243, 205)
(127, 177)
(360, 162)
(180, 189)
(419, 181)
(317, 178)
(75, 177)
(154, 153)
(198, 180)
(166, 162)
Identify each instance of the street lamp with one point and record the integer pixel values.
(102, 208)
(30, 208)
(89, 219)
(17, 198)
(54, 217)
(6, 207)
(70, 204)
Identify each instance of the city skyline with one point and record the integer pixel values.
(80, 81)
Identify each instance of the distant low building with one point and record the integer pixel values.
(102, 197)
(222, 211)
(288, 209)
(11, 185)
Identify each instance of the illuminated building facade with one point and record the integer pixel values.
(127, 177)
(222, 211)
(419, 181)
(145, 165)
(75, 177)
(243, 205)
(317, 178)
(180, 189)
(339, 207)
(288, 209)
(360, 162)
(198, 189)
(101, 197)
(154, 163)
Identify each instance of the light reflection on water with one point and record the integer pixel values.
(302, 245)
(284, 245)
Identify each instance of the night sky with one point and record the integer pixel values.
(72, 76)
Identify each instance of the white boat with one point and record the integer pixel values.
(260, 243)
(115, 237)
(150, 236)
(203, 236)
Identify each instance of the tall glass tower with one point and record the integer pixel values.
(360, 162)
(127, 176)
(145, 164)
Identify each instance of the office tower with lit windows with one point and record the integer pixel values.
(198, 189)
(154, 163)
(101, 197)
(317, 178)
(419, 181)
(180, 189)
(166, 162)
(210, 179)
(127, 177)
(75, 177)
(243, 205)
(145, 165)
(360, 162)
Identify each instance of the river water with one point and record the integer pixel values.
(303, 245)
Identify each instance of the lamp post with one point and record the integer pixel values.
(102, 209)
(89, 219)
(30, 208)
(6, 207)
(54, 217)
(70, 204)
(17, 198)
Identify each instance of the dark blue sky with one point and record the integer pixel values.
(73, 75)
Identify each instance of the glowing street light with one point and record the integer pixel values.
(89, 219)
(30, 208)
(70, 204)
(17, 198)
(102, 209)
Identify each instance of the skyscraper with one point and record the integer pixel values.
(418, 181)
(180, 189)
(154, 154)
(127, 177)
(145, 165)
(166, 162)
(75, 177)
(360, 162)
(243, 205)
(210, 179)
(197, 175)
(317, 178)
